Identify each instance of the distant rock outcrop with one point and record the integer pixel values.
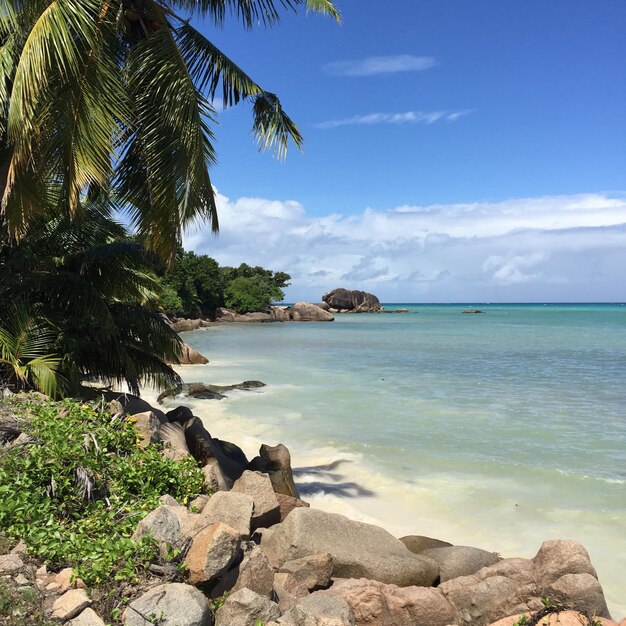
(346, 300)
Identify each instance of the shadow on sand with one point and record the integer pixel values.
(328, 481)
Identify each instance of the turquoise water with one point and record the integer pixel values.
(499, 430)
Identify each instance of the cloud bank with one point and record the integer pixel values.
(372, 66)
(409, 117)
(559, 248)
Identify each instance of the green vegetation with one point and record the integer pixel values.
(75, 305)
(197, 285)
(105, 109)
(113, 98)
(77, 492)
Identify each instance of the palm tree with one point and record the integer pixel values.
(114, 98)
(84, 293)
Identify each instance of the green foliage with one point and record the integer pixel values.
(77, 493)
(198, 282)
(25, 360)
(114, 98)
(202, 286)
(83, 292)
(253, 288)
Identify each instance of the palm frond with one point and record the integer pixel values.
(272, 127)
(163, 173)
(27, 356)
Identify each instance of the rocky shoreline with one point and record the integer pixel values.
(281, 562)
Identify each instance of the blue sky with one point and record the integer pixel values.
(453, 150)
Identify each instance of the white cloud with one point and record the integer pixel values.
(409, 117)
(372, 66)
(544, 248)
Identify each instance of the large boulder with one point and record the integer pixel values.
(307, 312)
(276, 462)
(288, 504)
(561, 570)
(212, 552)
(186, 325)
(377, 604)
(190, 356)
(259, 487)
(148, 427)
(174, 441)
(358, 550)
(232, 508)
(351, 300)
(455, 561)
(419, 543)
(175, 604)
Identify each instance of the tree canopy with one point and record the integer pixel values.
(113, 99)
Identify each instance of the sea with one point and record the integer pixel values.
(498, 430)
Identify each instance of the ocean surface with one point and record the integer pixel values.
(497, 430)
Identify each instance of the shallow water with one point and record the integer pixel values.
(498, 430)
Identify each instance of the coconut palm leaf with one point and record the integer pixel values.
(27, 358)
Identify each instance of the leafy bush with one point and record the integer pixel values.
(76, 494)
(246, 295)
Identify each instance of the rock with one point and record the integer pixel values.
(190, 356)
(308, 573)
(70, 604)
(167, 500)
(455, 561)
(472, 311)
(276, 462)
(558, 557)
(214, 477)
(179, 414)
(203, 447)
(347, 300)
(163, 525)
(66, 579)
(212, 551)
(582, 591)
(288, 504)
(564, 618)
(20, 549)
(197, 504)
(186, 325)
(280, 313)
(255, 573)
(87, 618)
(232, 508)
(493, 592)
(244, 608)
(21, 580)
(10, 564)
(174, 441)
(175, 604)
(323, 305)
(246, 385)
(259, 487)
(377, 604)
(358, 550)
(317, 610)
(148, 427)
(418, 543)
(308, 312)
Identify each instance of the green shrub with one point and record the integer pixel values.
(76, 494)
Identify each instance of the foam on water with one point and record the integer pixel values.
(499, 430)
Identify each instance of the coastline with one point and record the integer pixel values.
(338, 480)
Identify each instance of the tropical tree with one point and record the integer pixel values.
(85, 291)
(114, 98)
